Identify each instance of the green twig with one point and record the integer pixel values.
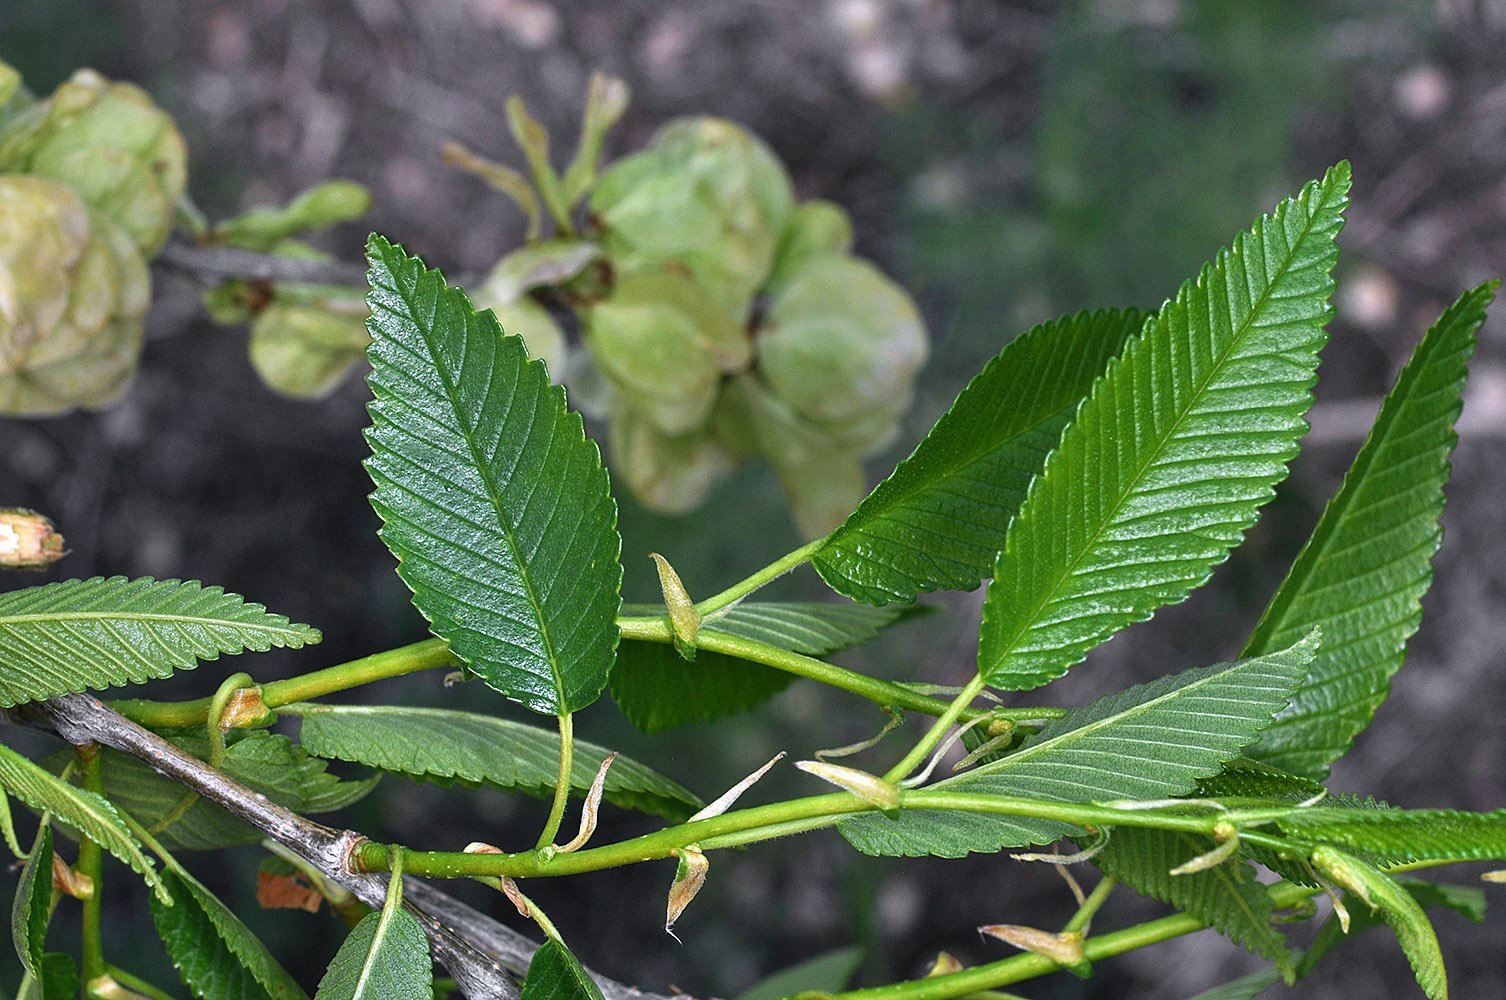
(958, 709)
(771, 572)
(427, 655)
(91, 865)
(561, 786)
(1090, 906)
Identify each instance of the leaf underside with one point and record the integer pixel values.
(1152, 741)
(81, 809)
(491, 496)
(215, 954)
(87, 635)
(656, 688)
(938, 521)
(1362, 574)
(442, 745)
(1171, 457)
(1226, 897)
(33, 903)
(385, 957)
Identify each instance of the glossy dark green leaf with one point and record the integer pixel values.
(1362, 574)
(1174, 452)
(491, 496)
(86, 635)
(385, 957)
(33, 905)
(1152, 741)
(938, 521)
(216, 955)
(556, 974)
(440, 744)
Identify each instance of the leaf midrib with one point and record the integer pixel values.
(483, 469)
(1197, 396)
(65, 616)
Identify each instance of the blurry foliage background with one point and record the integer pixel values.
(1006, 162)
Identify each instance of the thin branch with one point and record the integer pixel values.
(477, 950)
(212, 265)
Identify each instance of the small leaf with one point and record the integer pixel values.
(556, 974)
(215, 954)
(1152, 741)
(1172, 455)
(386, 957)
(938, 522)
(1397, 908)
(1362, 574)
(81, 809)
(324, 204)
(86, 635)
(1226, 897)
(33, 905)
(828, 973)
(534, 139)
(657, 689)
(438, 744)
(492, 498)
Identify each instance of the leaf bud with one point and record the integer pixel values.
(868, 787)
(684, 619)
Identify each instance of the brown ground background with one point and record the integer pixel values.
(1006, 162)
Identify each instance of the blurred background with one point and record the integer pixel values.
(1006, 162)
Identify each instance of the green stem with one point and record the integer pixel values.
(881, 692)
(957, 709)
(771, 572)
(561, 785)
(763, 823)
(427, 655)
(1090, 906)
(1022, 967)
(91, 864)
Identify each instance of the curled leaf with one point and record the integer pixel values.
(690, 875)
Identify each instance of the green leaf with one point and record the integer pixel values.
(938, 522)
(1401, 836)
(8, 827)
(82, 635)
(1468, 902)
(1243, 988)
(81, 809)
(33, 906)
(656, 688)
(1174, 452)
(1362, 574)
(385, 957)
(1152, 741)
(216, 955)
(441, 744)
(1397, 908)
(556, 974)
(59, 979)
(493, 500)
(1226, 897)
(828, 973)
(265, 762)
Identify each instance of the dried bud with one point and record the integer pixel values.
(70, 882)
(946, 963)
(590, 808)
(870, 788)
(1064, 948)
(1498, 876)
(480, 847)
(726, 800)
(690, 875)
(28, 540)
